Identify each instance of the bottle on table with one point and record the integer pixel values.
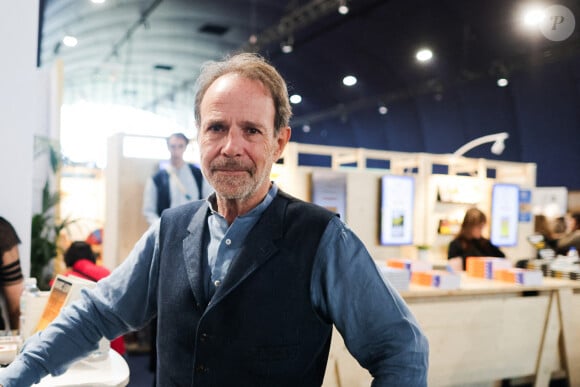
(30, 290)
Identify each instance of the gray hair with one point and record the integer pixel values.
(251, 66)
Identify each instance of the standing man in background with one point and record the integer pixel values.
(178, 184)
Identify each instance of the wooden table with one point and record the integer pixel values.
(487, 331)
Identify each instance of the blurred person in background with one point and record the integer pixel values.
(179, 183)
(572, 236)
(11, 279)
(470, 241)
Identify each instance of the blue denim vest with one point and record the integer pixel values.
(260, 328)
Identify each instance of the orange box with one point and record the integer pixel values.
(436, 278)
(484, 267)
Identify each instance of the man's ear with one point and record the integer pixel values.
(283, 137)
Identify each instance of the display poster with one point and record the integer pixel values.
(397, 196)
(525, 206)
(329, 191)
(504, 214)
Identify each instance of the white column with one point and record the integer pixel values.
(20, 100)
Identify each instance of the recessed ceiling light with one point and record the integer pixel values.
(533, 17)
(383, 110)
(424, 55)
(502, 82)
(295, 98)
(286, 48)
(343, 7)
(349, 80)
(70, 41)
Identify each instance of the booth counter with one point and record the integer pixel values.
(487, 331)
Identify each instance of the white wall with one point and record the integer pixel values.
(19, 115)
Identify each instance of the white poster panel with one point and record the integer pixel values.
(329, 191)
(504, 214)
(397, 196)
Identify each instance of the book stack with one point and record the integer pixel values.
(410, 265)
(440, 279)
(539, 264)
(483, 267)
(519, 276)
(564, 267)
(397, 277)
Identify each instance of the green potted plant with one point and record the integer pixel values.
(45, 227)
(423, 252)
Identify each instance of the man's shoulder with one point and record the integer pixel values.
(304, 207)
(185, 209)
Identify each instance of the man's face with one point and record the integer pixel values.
(176, 146)
(236, 137)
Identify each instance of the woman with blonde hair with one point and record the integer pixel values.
(470, 242)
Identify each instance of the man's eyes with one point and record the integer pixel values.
(215, 128)
(252, 131)
(220, 128)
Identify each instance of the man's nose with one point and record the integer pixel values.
(233, 142)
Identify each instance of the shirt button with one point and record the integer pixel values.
(217, 283)
(228, 241)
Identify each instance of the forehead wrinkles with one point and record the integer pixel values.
(248, 99)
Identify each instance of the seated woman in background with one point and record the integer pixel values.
(80, 259)
(469, 242)
(543, 227)
(572, 237)
(11, 279)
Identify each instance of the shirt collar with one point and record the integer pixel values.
(256, 211)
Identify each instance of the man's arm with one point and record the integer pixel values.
(118, 304)
(376, 324)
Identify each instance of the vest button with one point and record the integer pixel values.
(228, 241)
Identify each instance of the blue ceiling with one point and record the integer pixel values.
(435, 107)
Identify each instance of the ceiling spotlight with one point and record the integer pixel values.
(498, 146)
(424, 55)
(295, 99)
(349, 80)
(287, 46)
(98, 1)
(533, 17)
(253, 39)
(502, 82)
(383, 110)
(70, 41)
(306, 128)
(343, 7)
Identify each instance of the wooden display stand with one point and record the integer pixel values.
(487, 331)
(428, 171)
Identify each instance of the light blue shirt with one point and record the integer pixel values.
(346, 289)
